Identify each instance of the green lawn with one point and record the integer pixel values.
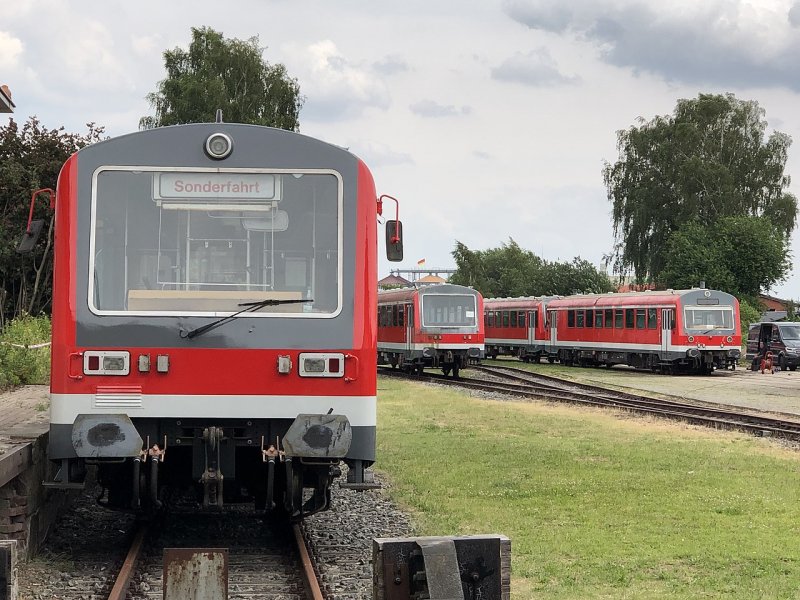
(597, 504)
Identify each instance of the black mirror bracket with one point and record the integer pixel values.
(394, 231)
(34, 228)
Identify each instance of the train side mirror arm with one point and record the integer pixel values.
(34, 228)
(394, 232)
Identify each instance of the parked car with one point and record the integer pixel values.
(782, 339)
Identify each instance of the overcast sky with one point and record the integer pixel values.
(488, 119)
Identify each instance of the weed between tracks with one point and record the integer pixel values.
(596, 506)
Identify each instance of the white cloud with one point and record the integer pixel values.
(717, 41)
(147, 45)
(432, 109)
(10, 50)
(534, 68)
(336, 88)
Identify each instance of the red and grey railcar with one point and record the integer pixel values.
(673, 330)
(516, 327)
(214, 317)
(437, 326)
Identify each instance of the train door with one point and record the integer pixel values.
(667, 325)
(551, 320)
(532, 321)
(409, 328)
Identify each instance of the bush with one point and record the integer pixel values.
(749, 313)
(20, 365)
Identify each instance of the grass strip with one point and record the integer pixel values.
(598, 504)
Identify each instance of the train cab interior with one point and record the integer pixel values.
(162, 243)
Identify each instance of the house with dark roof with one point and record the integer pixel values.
(392, 281)
(6, 105)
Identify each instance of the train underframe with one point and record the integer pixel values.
(450, 361)
(693, 361)
(274, 463)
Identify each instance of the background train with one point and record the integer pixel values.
(214, 317)
(673, 330)
(437, 326)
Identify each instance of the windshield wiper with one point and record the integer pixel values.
(249, 307)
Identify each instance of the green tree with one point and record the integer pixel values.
(228, 74)
(741, 255)
(511, 271)
(30, 158)
(710, 159)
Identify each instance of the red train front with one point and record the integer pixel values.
(438, 326)
(214, 317)
(672, 330)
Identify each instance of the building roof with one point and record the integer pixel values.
(431, 279)
(393, 280)
(6, 105)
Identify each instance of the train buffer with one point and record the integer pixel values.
(442, 568)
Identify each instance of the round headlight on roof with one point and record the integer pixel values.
(219, 146)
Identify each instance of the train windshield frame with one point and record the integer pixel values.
(449, 310)
(195, 241)
(708, 318)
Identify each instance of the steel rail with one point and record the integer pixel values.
(120, 589)
(312, 585)
(624, 398)
(699, 415)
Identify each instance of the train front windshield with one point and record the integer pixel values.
(202, 242)
(707, 319)
(448, 310)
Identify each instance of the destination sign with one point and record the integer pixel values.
(260, 186)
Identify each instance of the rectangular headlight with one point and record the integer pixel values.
(321, 364)
(106, 362)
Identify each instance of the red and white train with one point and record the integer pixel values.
(213, 317)
(436, 326)
(694, 330)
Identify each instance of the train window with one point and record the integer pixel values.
(708, 318)
(513, 319)
(521, 319)
(490, 323)
(618, 322)
(204, 242)
(394, 316)
(448, 310)
(589, 318)
(652, 320)
(579, 320)
(505, 318)
(598, 318)
(640, 316)
(401, 312)
(535, 323)
(629, 318)
(609, 318)
(571, 318)
(497, 318)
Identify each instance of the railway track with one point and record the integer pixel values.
(524, 384)
(265, 560)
